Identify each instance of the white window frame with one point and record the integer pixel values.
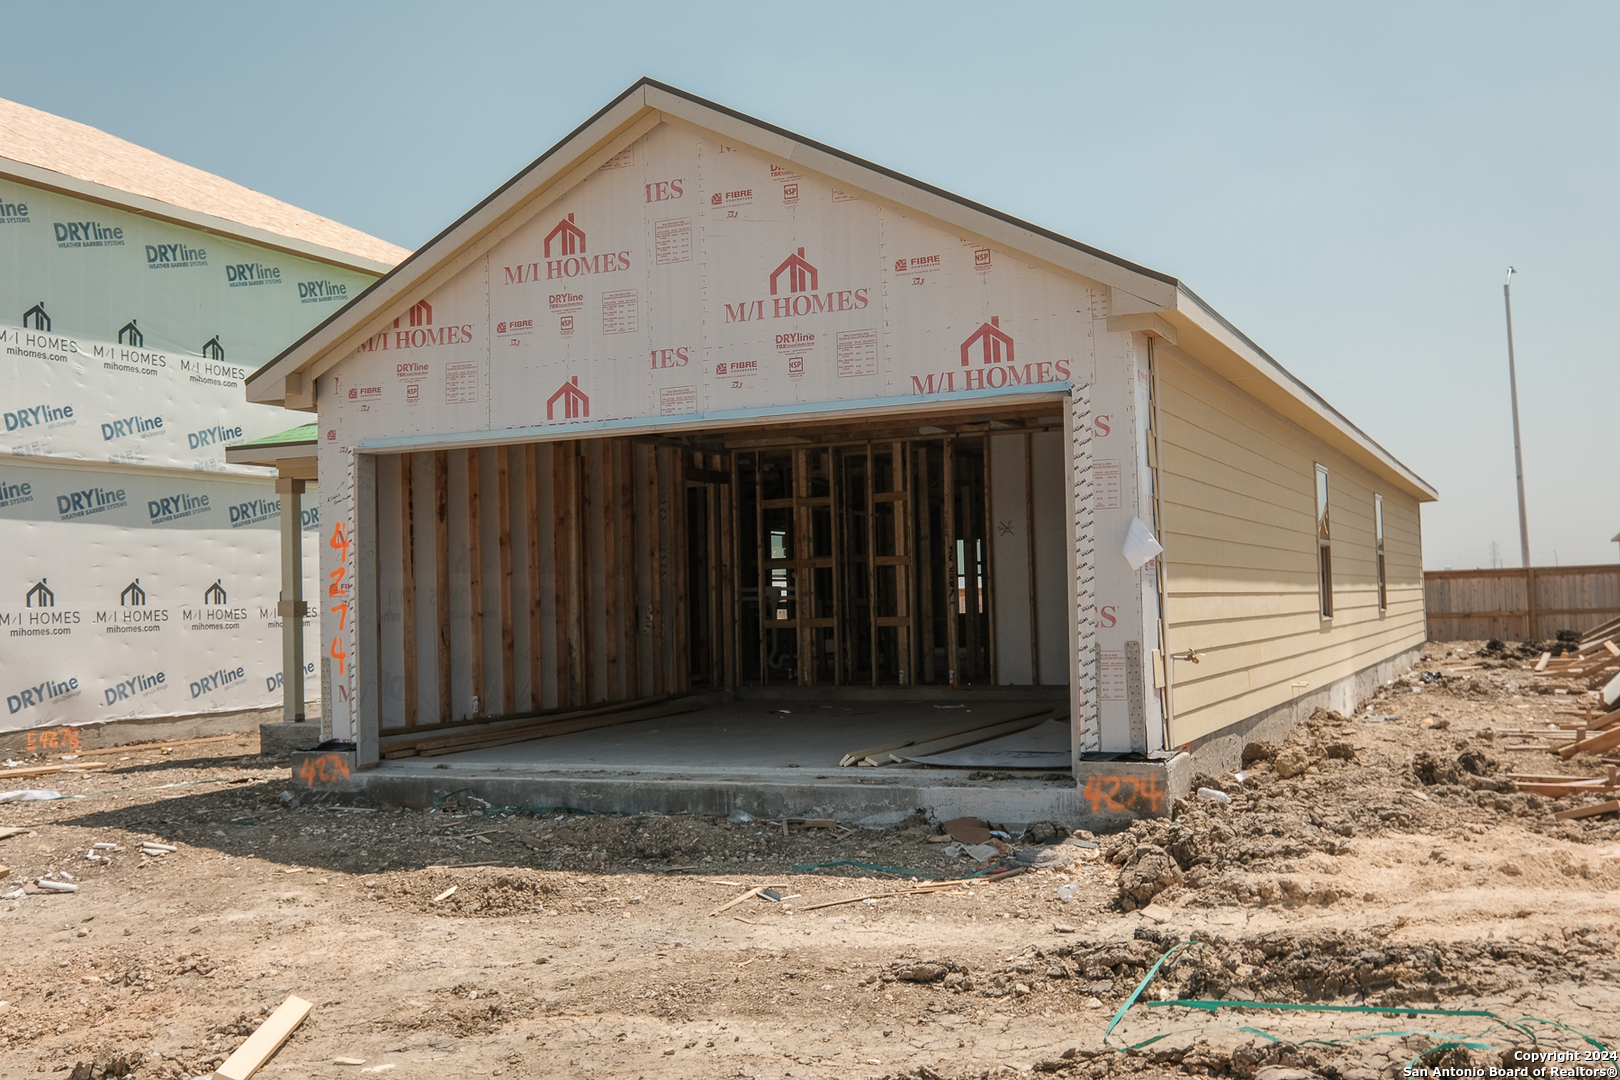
(1378, 545)
(1324, 545)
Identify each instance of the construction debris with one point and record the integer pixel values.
(438, 739)
(263, 1043)
(950, 739)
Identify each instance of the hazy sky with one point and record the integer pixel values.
(1347, 183)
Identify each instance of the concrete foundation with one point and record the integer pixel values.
(770, 758)
(281, 738)
(777, 755)
(1222, 751)
(69, 738)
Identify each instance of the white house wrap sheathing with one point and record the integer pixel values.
(141, 571)
(689, 283)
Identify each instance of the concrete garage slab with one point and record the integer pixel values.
(769, 758)
(743, 735)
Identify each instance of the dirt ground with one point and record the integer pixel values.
(1392, 867)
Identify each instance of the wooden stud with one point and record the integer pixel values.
(681, 537)
(1029, 544)
(611, 557)
(561, 499)
(765, 618)
(407, 584)
(475, 579)
(840, 597)
(952, 600)
(871, 558)
(803, 590)
(730, 502)
(631, 654)
(971, 578)
(441, 576)
(503, 503)
(988, 586)
(904, 571)
(925, 562)
(531, 533)
(716, 576)
(584, 556)
(658, 556)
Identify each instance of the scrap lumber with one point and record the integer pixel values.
(45, 770)
(561, 727)
(729, 904)
(1596, 744)
(956, 742)
(472, 736)
(1541, 665)
(136, 748)
(265, 1041)
(406, 737)
(1610, 807)
(926, 887)
(1559, 791)
(871, 753)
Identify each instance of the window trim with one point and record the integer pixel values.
(1324, 545)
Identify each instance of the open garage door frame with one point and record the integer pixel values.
(635, 488)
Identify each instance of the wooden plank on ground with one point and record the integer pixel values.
(60, 767)
(1541, 665)
(137, 747)
(968, 738)
(1607, 740)
(265, 1041)
(567, 727)
(882, 748)
(399, 740)
(1610, 807)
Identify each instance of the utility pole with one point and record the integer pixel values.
(1518, 453)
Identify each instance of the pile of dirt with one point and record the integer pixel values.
(480, 892)
(1318, 795)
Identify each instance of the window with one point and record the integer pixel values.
(1324, 546)
(1378, 535)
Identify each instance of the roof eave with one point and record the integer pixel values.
(23, 173)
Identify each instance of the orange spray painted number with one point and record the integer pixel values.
(60, 739)
(1125, 794)
(326, 769)
(340, 544)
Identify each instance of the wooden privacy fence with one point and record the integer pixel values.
(1519, 604)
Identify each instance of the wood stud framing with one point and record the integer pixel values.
(604, 577)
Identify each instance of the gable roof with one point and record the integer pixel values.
(1140, 298)
(51, 152)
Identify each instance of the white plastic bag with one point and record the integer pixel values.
(28, 796)
(1140, 544)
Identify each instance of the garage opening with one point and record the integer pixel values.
(907, 552)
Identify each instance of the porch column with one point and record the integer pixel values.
(292, 607)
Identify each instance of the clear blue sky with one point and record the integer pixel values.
(1347, 183)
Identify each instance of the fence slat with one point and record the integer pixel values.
(1464, 605)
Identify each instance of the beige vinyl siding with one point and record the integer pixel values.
(1239, 530)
